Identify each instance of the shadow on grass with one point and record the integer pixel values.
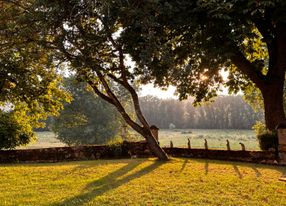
(258, 174)
(237, 171)
(184, 165)
(236, 165)
(206, 167)
(109, 182)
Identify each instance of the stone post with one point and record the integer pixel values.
(124, 132)
(189, 143)
(242, 146)
(155, 132)
(281, 132)
(227, 145)
(206, 145)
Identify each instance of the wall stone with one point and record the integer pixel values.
(128, 150)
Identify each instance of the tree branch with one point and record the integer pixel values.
(245, 66)
(118, 105)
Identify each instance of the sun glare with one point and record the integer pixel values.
(149, 89)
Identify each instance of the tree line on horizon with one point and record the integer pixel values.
(226, 112)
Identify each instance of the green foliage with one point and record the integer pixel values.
(15, 130)
(259, 128)
(186, 44)
(29, 79)
(267, 140)
(87, 120)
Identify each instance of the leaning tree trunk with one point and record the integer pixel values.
(273, 103)
(154, 145)
(111, 98)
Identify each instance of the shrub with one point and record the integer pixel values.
(259, 127)
(115, 149)
(267, 140)
(87, 119)
(14, 132)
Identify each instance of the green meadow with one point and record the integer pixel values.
(216, 139)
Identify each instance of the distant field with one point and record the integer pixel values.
(215, 138)
(44, 140)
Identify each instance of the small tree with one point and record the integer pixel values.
(87, 120)
(15, 130)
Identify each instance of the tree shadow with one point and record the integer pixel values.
(184, 165)
(255, 167)
(258, 174)
(110, 182)
(237, 171)
(206, 167)
(74, 171)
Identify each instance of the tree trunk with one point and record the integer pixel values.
(273, 103)
(143, 130)
(154, 146)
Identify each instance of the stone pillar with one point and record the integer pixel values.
(155, 132)
(281, 132)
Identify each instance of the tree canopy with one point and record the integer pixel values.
(84, 36)
(87, 119)
(187, 43)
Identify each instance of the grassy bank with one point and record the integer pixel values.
(142, 182)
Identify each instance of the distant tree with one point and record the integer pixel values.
(226, 112)
(87, 119)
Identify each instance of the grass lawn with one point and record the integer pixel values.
(44, 140)
(142, 182)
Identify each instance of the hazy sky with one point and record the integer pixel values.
(149, 89)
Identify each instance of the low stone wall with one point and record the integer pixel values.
(128, 150)
(90, 152)
(265, 157)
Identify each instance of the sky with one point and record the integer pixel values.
(149, 89)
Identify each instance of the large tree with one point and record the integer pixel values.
(30, 88)
(86, 37)
(186, 43)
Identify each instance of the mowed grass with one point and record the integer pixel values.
(142, 182)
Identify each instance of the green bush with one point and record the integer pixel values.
(115, 149)
(267, 140)
(87, 119)
(14, 132)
